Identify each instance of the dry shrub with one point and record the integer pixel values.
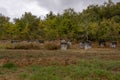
(6, 45)
(52, 46)
(9, 46)
(27, 45)
(69, 46)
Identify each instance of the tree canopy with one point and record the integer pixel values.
(94, 23)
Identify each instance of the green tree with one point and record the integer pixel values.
(27, 26)
(4, 27)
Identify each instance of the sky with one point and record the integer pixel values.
(15, 8)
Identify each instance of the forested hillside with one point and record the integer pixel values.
(94, 23)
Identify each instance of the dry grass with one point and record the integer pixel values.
(73, 64)
(28, 57)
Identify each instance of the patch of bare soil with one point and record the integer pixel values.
(116, 69)
(10, 77)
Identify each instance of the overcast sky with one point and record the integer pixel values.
(15, 8)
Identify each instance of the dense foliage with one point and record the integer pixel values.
(95, 23)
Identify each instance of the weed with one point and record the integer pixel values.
(9, 65)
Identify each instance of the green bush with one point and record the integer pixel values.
(9, 65)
